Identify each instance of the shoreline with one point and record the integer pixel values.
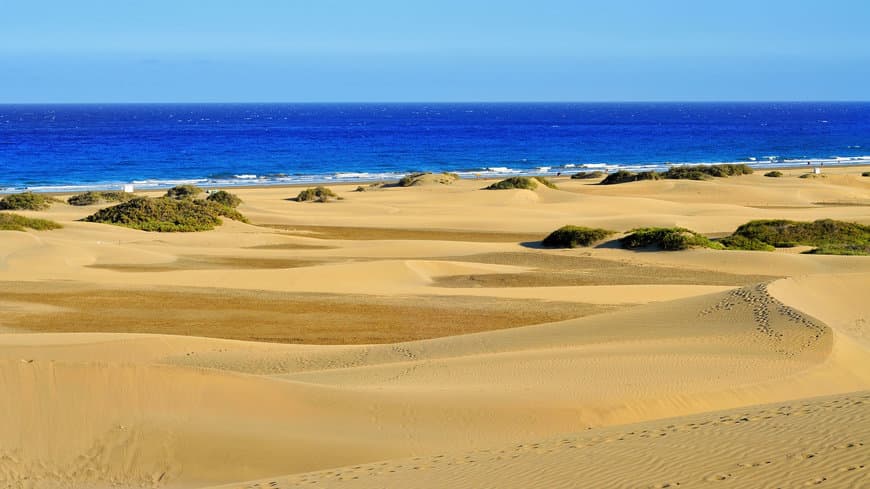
(206, 183)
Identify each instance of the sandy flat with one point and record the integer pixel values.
(420, 337)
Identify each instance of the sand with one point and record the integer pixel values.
(419, 337)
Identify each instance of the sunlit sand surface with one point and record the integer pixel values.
(420, 337)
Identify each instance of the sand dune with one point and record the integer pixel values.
(717, 449)
(473, 361)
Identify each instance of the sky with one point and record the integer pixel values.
(104, 51)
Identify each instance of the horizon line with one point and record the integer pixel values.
(446, 102)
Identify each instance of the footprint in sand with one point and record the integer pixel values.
(717, 477)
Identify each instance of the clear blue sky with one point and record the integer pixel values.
(445, 50)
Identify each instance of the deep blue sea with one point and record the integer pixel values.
(62, 147)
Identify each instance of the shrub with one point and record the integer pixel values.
(737, 242)
(526, 183)
(574, 236)
(316, 194)
(648, 175)
(27, 201)
(827, 235)
(670, 239)
(620, 176)
(773, 174)
(703, 172)
(90, 198)
(14, 222)
(583, 175)
(685, 172)
(624, 176)
(224, 198)
(165, 214)
(866, 174)
(183, 192)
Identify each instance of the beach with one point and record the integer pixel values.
(422, 337)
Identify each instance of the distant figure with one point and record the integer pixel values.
(558, 174)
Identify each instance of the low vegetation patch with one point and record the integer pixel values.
(670, 239)
(574, 236)
(587, 175)
(546, 182)
(828, 236)
(704, 172)
(523, 183)
(526, 183)
(166, 214)
(27, 201)
(812, 175)
(685, 172)
(183, 192)
(14, 222)
(90, 198)
(420, 178)
(773, 174)
(625, 176)
(224, 198)
(317, 194)
(866, 174)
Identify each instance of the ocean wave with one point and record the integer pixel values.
(247, 179)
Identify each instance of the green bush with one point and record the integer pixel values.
(827, 235)
(224, 198)
(574, 236)
(165, 214)
(316, 194)
(737, 242)
(90, 198)
(14, 222)
(685, 172)
(587, 175)
(866, 174)
(648, 175)
(703, 172)
(619, 176)
(27, 201)
(773, 174)
(183, 192)
(670, 239)
(526, 183)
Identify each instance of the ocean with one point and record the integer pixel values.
(72, 147)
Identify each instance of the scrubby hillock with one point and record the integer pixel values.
(224, 198)
(27, 201)
(829, 237)
(524, 183)
(90, 198)
(669, 239)
(317, 194)
(424, 178)
(574, 236)
(165, 214)
(14, 222)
